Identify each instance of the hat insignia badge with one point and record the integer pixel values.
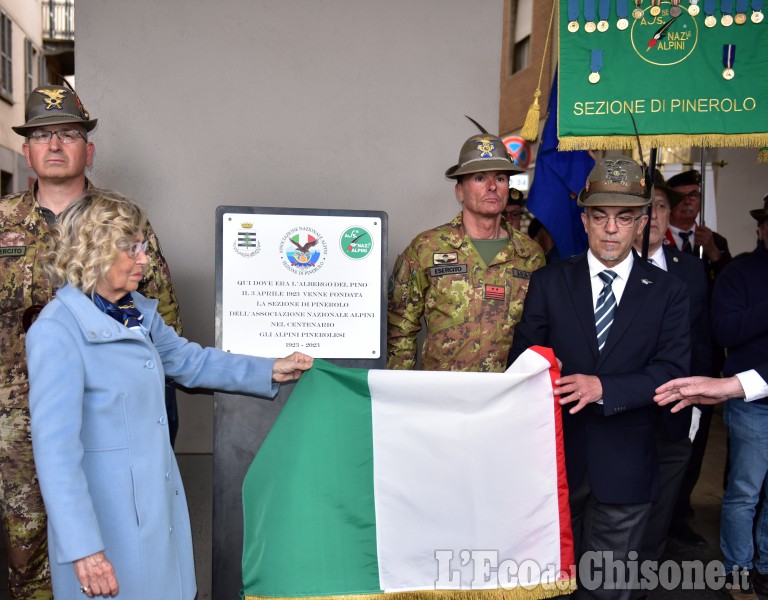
(615, 173)
(53, 98)
(486, 148)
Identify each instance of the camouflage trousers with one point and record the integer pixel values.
(24, 520)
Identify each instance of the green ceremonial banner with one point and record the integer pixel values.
(668, 69)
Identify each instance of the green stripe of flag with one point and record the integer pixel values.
(334, 426)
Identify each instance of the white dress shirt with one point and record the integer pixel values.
(676, 236)
(659, 259)
(622, 271)
(755, 387)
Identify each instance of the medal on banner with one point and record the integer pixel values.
(729, 57)
(573, 16)
(589, 16)
(693, 9)
(757, 11)
(741, 12)
(709, 10)
(637, 13)
(605, 11)
(621, 12)
(655, 8)
(726, 7)
(675, 10)
(597, 64)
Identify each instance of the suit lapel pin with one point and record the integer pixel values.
(675, 259)
(646, 281)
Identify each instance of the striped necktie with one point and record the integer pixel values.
(686, 237)
(605, 308)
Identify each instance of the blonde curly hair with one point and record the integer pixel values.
(88, 238)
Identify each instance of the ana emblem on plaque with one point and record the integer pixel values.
(303, 250)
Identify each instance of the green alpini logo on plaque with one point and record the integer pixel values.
(356, 243)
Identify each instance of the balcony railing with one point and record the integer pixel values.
(58, 19)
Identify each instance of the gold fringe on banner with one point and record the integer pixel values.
(627, 142)
(530, 130)
(537, 592)
(762, 156)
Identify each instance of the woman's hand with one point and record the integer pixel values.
(96, 576)
(291, 367)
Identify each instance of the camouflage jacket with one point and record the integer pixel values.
(470, 309)
(24, 236)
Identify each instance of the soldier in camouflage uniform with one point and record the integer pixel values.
(468, 278)
(59, 159)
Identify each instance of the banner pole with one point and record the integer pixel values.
(648, 209)
(703, 192)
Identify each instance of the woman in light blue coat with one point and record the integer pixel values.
(98, 355)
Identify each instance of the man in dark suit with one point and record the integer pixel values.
(620, 328)
(675, 429)
(690, 236)
(697, 239)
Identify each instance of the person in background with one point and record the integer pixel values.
(468, 278)
(57, 147)
(673, 443)
(539, 234)
(97, 358)
(515, 207)
(692, 238)
(739, 324)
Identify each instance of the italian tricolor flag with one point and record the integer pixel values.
(380, 482)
